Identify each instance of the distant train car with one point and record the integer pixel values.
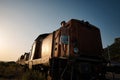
(84, 52)
(23, 58)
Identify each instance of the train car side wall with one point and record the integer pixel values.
(46, 47)
(41, 51)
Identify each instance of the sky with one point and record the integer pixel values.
(21, 21)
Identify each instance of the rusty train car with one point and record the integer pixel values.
(83, 57)
(23, 58)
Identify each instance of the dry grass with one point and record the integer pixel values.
(13, 71)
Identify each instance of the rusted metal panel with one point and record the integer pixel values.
(56, 44)
(86, 36)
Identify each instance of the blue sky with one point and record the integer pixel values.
(21, 21)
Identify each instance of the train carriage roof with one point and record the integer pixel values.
(42, 36)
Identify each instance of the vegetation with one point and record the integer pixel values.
(33, 75)
(13, 71)
(113, 51)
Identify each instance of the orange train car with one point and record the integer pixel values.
(86, 37)
(84, 53)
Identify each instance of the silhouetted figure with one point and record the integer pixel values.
(64, 32)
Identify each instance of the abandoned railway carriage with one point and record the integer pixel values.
(83, 59)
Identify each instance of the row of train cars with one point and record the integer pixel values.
(84, 57)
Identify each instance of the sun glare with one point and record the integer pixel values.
(2, 40)
(1, 43)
